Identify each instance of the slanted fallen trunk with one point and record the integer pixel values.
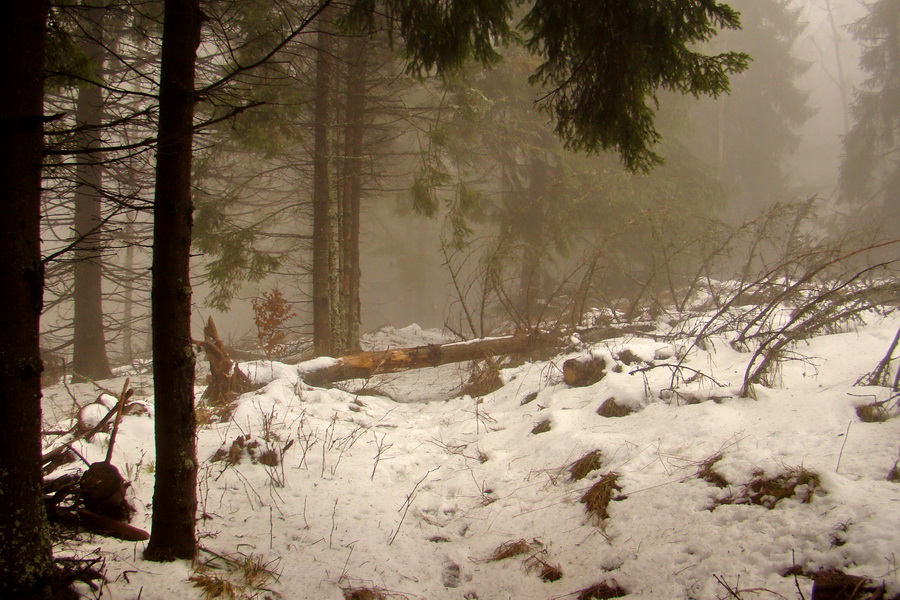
(225, 381)
(320, 371)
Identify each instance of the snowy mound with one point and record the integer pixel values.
(529, 493)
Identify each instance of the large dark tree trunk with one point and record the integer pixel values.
(323, 211)
(175, 493)
(25, 557)
(352, 196)
(89, 360)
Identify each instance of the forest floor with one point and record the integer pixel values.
(401, 487)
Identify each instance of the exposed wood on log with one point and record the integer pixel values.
(111, 527)
(103, 490)
(367, 364)
(225, 380)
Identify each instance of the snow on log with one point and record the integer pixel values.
(366, 364)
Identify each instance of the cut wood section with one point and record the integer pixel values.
(366, 364)
(104, 525)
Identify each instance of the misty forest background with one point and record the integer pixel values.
(470, 152)
(448, 202)
(354, 166)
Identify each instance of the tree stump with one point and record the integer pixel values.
(225, 381)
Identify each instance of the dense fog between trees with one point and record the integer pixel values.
(452, 178)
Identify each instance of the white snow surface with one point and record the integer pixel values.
(412, 497)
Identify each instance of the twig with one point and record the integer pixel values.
(120, 408)
(676, 367)
(380, 449)
(408, 502)
(796, 581)
(333, 523)
(844, 443)
(52, 454)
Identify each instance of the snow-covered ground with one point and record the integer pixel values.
(411, 497)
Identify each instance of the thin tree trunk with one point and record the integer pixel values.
(839, 63)
(128, 307)
(89, 359)
(25, 556)
(355, 131)
(175, 492)
(533, 237)
(323, 215)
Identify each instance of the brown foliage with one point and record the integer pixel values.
(271, 312)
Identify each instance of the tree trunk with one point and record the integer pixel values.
(89, 360)
(367, 364)
(128, 301)
(353, 150)
(25, 556)
(175, 492)
(533, 237)
(323, 214)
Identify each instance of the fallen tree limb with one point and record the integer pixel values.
(321, 371)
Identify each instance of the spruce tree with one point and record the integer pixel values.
(748, 135)
(25, 554)
(870, 171)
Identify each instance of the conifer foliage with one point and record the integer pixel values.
(870, 172)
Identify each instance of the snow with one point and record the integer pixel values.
(411, 497)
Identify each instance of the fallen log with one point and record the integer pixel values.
(320, 371)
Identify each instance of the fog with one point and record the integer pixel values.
(472, 216)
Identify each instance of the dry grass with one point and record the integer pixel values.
(708, 474)
(598, 497)
(214, 586)
(547, 571)
(837, 584)
(873, 413)
(238, 577)
(533, 562)
(611, 408)
(769, 491)
(484, 378)
(894, 473)
(371, 593)
(216, 410)
(365, 593)
(601, 591)
(588, 463)
(542, 427)
(509, 550)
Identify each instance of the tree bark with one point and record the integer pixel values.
(323, 212)
(25, 556)
(89, 359)
(367, 364)
(173, 534)
(352, 197)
